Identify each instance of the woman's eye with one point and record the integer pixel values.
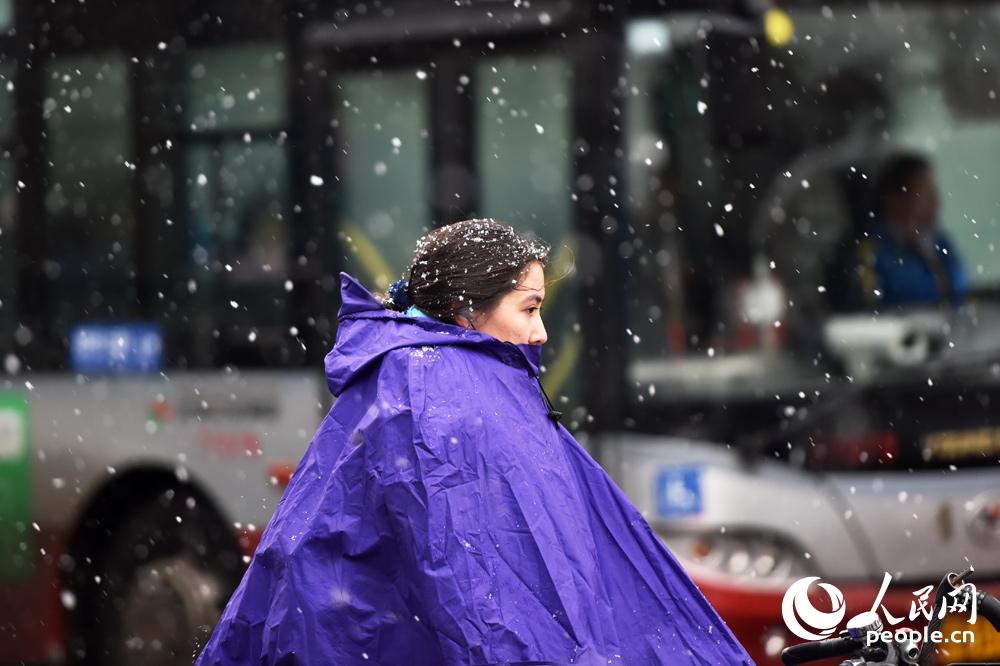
(533, 310)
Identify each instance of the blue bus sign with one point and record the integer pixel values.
(116, 348)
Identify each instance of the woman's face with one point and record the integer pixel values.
(517, 317)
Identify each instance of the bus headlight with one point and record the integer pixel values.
(751, 556)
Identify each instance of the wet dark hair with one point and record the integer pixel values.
(466, 264)
(897, 175)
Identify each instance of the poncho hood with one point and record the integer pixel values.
(367, 330)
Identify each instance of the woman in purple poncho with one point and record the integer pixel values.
(442, 514)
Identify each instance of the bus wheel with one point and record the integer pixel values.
(168, 572)
(168, 612)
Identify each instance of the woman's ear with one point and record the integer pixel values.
(464, 317)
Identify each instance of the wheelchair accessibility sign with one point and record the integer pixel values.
(678, 492)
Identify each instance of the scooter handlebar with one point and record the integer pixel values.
(806, 652)
(989, 607)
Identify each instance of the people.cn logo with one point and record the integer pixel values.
(805, 620)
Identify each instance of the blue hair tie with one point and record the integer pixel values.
(397, 294)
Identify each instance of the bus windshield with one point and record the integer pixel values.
(814, 219)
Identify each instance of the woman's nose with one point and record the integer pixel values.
(538, 335)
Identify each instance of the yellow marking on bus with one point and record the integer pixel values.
(569, 352)
(559, 266)
(866, 271)
(371, 260)
(562, 366)
(958, 444)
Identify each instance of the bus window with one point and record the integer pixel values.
(680, 258)
(905, 83)
(932, 92)
(525, 172)
(254, 228)
(237, 88)
(237, 203)
(524, 142)
(236, 207)
(8, 72)
(88, 190)
(382, 127)
(6, 15)
(753, 190)
(8, 212)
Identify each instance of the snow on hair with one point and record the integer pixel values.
(472, 263)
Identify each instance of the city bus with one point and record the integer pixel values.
(181, 185)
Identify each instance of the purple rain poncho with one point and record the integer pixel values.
(440, 516)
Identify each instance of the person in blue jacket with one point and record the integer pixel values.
(905, 259)
(442, 514)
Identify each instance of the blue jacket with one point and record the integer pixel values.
(903, 276)
(440, 516)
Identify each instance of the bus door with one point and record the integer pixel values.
(422, 123)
